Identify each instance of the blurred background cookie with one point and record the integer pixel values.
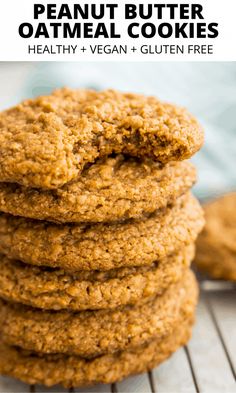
(216, 245)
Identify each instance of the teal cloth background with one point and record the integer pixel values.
(207, 89)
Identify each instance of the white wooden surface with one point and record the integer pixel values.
(206, 365)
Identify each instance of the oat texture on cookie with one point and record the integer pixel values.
(47, 141)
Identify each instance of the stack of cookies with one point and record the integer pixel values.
(97, 232)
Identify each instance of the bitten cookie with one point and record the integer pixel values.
(89, 290)
(45, 142)
(132, 186)
(216, 245)
(93, 333)
(100, 246)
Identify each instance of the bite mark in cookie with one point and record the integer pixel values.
(46, 142)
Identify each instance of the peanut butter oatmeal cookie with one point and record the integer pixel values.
(74, 371)
(74, 247)
(89, 290)
(45, 142)
(93, 333)
(109, 190)
(216, 246)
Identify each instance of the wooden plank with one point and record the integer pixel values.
(224, 311)
(54, 389)
(217, 285)
(9, 385)
(138, 384)
(208, 358)
(174, 375)
(95, 389)
(59, 389)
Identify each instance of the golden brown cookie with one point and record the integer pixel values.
(73, 371)
(89, 290)
(109, 190)
(216, 246)
(92, 333)
(100, 246)
(45, 142)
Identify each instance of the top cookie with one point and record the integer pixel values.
(46, 142)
